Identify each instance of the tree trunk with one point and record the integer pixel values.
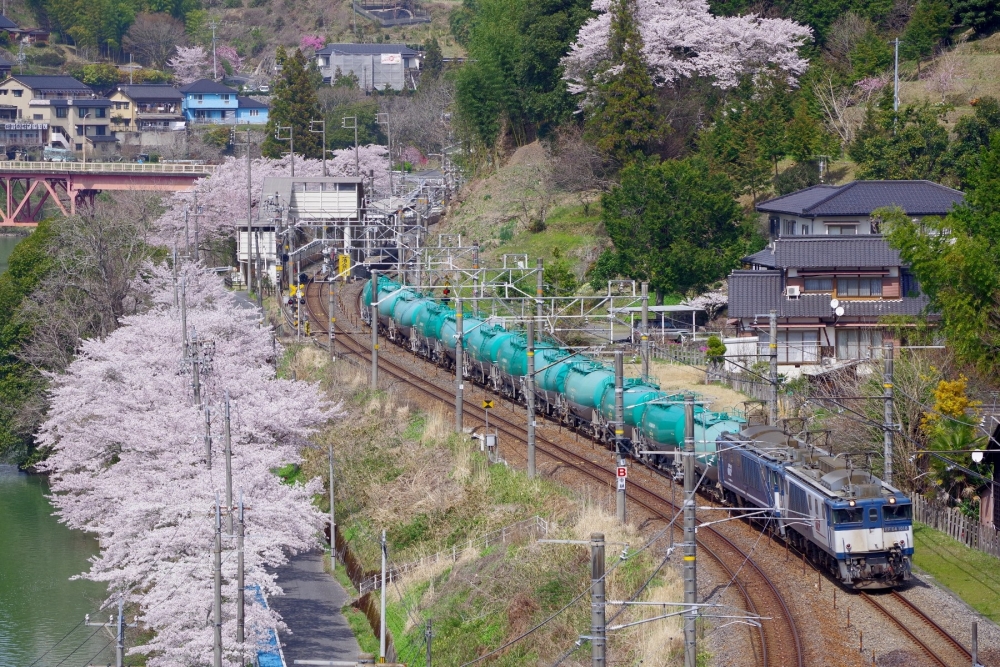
(659, 297)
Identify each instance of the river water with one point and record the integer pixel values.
(39, 605)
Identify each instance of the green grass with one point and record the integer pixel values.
(968, 573)
(362, 631)
(569, 233)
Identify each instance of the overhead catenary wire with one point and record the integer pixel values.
(49, 650)
(84, 643)
(94, 657)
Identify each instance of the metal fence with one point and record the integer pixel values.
(532, 528)
(678, 354)
(957, 526)
(107, 167)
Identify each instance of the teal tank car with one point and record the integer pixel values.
(662, 428)
(449, 328)
(430, 319)
(385, 287)
(475, 338)
(552, 380)
(406, 312)
(493, 338)
(637, 396)
(586, 383)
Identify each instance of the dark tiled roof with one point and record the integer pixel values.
(206, 86)
(5, 64)
(755, 293)
(44, 82)
(250, 103)
(863, 197)
(6, 23)
(147, 91)
(99, 140)
(800, 252)
(95, 102)
(366, 49)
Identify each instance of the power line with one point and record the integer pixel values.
(79, 647)
(56, 644)
(94, 657)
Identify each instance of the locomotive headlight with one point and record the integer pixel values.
(852, 503)
(892, 500)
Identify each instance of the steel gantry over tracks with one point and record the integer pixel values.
(29, 186)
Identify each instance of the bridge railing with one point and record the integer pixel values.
(106, 168)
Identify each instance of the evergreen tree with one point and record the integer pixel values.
(294, 104)
(804, 134)
(972, 136)
(675, 224)
(624, 123)
(980, 15)
(433, 59)
(927, 27)
(909, 145)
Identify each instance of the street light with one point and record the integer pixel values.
(84, 118)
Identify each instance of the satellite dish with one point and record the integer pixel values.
(977, 456)
(834, 303)
(839, 311)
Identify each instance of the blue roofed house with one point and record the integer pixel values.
(829, 273)
(251, 111)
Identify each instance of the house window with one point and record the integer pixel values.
(859, 287)
(62, 112)
(79, 130)
(795, 346)
(787, 227)
(819, 285)
(37, 116)
(100, 112)
(225, 98)
(859, 344)
(18, 93)
(253, 112)
(806, 229)
(198, 97)
(3, 92)
(79, 147)
(81, 112)
(841, 230)
(100, 130)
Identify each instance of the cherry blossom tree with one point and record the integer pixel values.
(681, 38)
(228, 54)
(128, 463)
(314, 42)
(223, 196)
(190, 63)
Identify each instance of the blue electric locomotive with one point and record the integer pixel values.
(846, 520)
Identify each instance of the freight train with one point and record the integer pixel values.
(844, 519)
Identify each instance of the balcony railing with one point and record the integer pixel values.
(108, 167)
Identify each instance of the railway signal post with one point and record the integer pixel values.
(690, 573)
(888, 426)
(598, 628)
(529, 397)
(772, 340)
(644, 332)
(459, 363)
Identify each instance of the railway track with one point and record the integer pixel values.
(942, 648)
(777, 642)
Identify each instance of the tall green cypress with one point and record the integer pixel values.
(294, 104)
(624, 122)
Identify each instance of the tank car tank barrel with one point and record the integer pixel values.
(690, 573)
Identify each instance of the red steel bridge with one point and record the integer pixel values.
(28, 186)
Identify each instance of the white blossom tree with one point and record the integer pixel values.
(128, 463)
(223, 195)
(681, 38)
(189, 64)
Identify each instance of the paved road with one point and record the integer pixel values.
(311, 608)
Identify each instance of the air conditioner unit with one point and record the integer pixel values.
(792, 291)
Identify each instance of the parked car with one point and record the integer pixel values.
(264, 88)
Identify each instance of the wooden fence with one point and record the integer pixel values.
(678, 354)
(957, 526)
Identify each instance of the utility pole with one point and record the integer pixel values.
(184, 317)
(644, 332)
(428, 635)
(888, 427)
(895, 77)
(690, 573)
(381, 641)
(291, 142)
(240, 577)
(249, 146)
(459, 364)
(772, 402)
(620, 430)
(374, 316)
(353, 126)
(119, 625)
(539, 288)
(197, 230)
(229, 464)
(215, 64)
(475, 277)
(187, 233)
(218, 584)
(975, 644)
(208, 436)
(529, 397)
(176, 299)
(333, 517)
(383, 119)
(322, 124)
(195, 363)
(597, 608)
(333, 318)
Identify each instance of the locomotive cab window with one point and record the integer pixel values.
(897, 512)
(848, 515)
(873, 514)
